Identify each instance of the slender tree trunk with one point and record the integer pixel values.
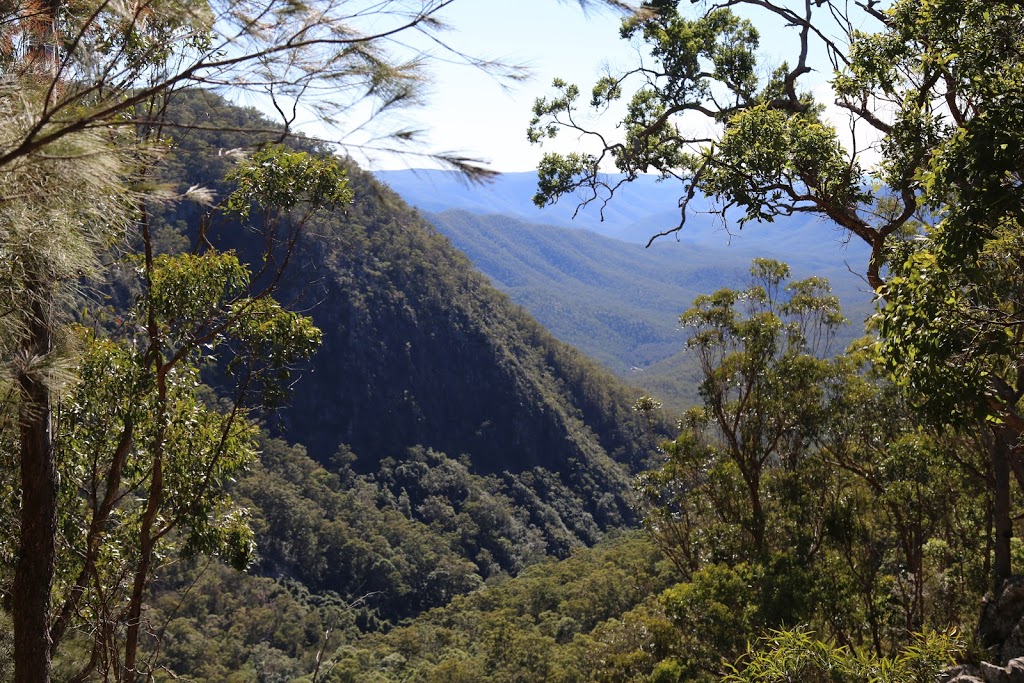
(95, 537)
(147, 543)
(33, 577)
(148, 535)
(757, 516)
(1000, 451)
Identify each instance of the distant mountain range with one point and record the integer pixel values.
(639, 210)
(598, 288)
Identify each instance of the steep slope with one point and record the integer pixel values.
(428, 353)
(619, 300)
(421, 351)
(615, 300)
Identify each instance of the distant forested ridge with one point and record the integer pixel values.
(420, 351)
(616, 300)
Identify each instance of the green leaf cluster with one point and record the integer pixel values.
(280, 179)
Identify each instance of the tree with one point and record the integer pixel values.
(338, 61)
(59, 213)
(96, 63)
(743, 501)
(809, 485)
(141, 453)
(913, 550)
(763, 390)
(770, 152)
(935, 88)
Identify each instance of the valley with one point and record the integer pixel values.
(595, 285)
(726, 390)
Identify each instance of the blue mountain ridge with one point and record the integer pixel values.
(639, 210)
(592, 282)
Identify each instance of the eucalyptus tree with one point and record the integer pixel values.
(703, 108)
(721, 494)
(809, 480)
(83, 88)
(196, 307)
(927, 171)
(75, 79)
(743, 501)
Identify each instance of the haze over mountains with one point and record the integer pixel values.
(639, 210)
(595, 285)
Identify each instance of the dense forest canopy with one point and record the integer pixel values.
(929, 178)
(86, 91)
(419, 509)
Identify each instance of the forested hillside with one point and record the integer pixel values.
(453, 439)
(259, 421)
(617, 301)
(830, 517)
(420, 352)
(620, 301)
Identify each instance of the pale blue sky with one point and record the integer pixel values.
(470, 113)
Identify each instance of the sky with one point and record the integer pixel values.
(471, 113)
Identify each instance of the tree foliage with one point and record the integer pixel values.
(100, 64)
(796, 656)
(141, 455)
(56, 219)
(763, 390)
(804, 490)
(927, 176)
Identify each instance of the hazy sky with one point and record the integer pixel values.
(470, 113)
